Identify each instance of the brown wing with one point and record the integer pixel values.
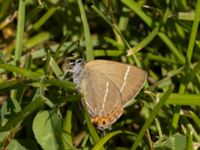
(128, 79)
(102, 98)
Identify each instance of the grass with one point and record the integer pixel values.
(40, 105)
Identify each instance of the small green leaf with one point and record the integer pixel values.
(45, 130)
(15, 145)
(174, 142)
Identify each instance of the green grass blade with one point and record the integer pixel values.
(89, 47)
(21, 71)
(114, 53)
(44, 18)
(91, 128)
(12, 84)
(37, 39)
(190, 127)
(107, 137)
(172, 47)
(55, 68)
(184, 99)
(61, 83)
(151, 117)
(4, 8)
(113, 26)
(186, 16)
(190, 143)
(20, 116)
(194, 32)
(137, 9)
(20, 31)
(67, 130)
(160, 59)
(100, 144)
(144, 42)
(195, 118)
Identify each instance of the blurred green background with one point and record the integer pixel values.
(40, 105)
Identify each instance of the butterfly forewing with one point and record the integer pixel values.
(127, 78)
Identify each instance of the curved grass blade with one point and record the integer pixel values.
(195, 118)
(61, 83)
(137, 9)
(67, 133)
(108, 136)
(55, 68)
(151, 117)
(12, 84)
(20, 31)
(19, 117)
(91, 128)
(194, 33)
(89, 48)
(183, 99)
(144, 42)
(21, 71)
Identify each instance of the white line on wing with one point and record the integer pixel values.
(125, 78)
(104, 99)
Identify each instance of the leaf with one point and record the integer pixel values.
(174, 142)
(15, 145)
(24, 144)
(44, 129)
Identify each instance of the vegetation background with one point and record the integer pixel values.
(40, 106)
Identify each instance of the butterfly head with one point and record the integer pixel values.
(78, 71)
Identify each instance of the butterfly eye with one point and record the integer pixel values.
(79, 61)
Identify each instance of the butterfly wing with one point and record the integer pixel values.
(128, 79)
(101, 97)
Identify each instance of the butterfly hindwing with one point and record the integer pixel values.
(101, 97)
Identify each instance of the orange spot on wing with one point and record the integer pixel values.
(106, 121)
